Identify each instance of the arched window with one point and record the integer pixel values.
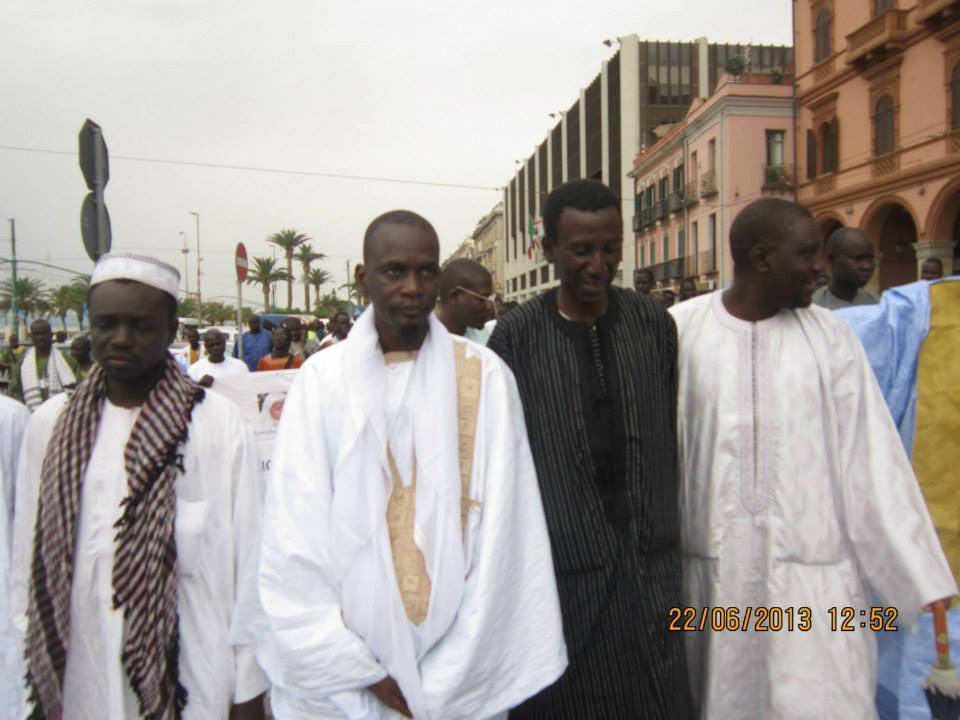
(883, 126)
(955, 97)
(824, 35)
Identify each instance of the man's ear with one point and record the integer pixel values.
(760, 257)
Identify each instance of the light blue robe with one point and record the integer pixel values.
(892, 334)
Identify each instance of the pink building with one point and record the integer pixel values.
(730, 149)
(878, 88)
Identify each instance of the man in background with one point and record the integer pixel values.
(280, 357)
(339, 328)
(215, 364)
(43, 372)
(931, 269)
(466, 299)
(643, 281)
(187, 356)
(256, 343)
(80, 354)
(851, 258)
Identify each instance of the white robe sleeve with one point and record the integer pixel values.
(313, 660)
(248, 490)
(506, 643)
(886, 517)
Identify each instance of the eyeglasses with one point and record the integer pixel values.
(492, 299)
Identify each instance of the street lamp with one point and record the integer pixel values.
(13, 273)
(199, 260)
(186, 274)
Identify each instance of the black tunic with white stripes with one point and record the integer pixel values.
(600, 407)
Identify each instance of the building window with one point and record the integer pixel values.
(883, 126)
(648, 202)
(694, 167)
(811, 154)
(653, 252)
(829, 146)
(643, 254)
(523, 281)
(955, 97)
(681, 243)
(776, 140)
(712, 155)
(712, 229)
(823, 41)
(664, 189)
(513, 283)
(678, 180)
(694, 232)
(881, 6)
(666, 248)
(533, 278)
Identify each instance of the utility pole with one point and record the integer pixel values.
(186, 272)
(199, 298)
(14, 300)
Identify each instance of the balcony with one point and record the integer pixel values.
(690, 266)
(646, 217)
(661, 209)
(883, 35)
(677, 201)
(778, 178)
(937, 12)
(673, 269)
(708, 184)
(657, 270)
(707, 262)
(690, 193)
(637, 223)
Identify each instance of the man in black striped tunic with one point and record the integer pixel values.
(596, 369)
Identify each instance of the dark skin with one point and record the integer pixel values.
(777, 274)
(586, 253)
(851, 264)
(667, 298)
(131, 326)
(688, 289)
(42, 337)
(80, 352)
(401, 276)
(14, 342)
(340, 326)
(931, 270)
(254, 324)
(466, 307)
(216, 345)
(281, 343)
(193, 338)
(644, 283)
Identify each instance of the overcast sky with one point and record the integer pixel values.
(444, 91)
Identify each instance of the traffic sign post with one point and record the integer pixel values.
(95, 166)
(240, 258)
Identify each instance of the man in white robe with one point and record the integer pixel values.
(216, 364)
(405, 568)
(13, 422)
(797, 495)
(202, 498)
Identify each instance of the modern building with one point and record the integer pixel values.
(489, 244)
(729, 150)
(640, 91)
(878, 89)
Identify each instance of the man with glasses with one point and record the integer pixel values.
(467, 300)
(851, 258)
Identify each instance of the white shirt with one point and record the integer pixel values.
(217, 535)
(797, 495)
(205, 366)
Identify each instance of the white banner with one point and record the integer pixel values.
(260, 397)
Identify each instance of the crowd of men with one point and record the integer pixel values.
(588, 506)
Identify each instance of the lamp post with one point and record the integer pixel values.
(14, 300)
(199, 259)
(186, 273)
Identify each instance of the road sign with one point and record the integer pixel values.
(241, 260)
(95, 227)
(94, 161)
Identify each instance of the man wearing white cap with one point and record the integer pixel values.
(136, 527)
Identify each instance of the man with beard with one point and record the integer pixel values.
(136, 527)
(852, 261)
(798, 500)
(405, 569)
(596, 368)
(466, 299)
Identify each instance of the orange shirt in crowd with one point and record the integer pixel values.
(268, 362)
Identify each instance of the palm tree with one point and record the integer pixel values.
(317, 278)
(307, 256)
(30, 296)
(288, 239)
(265, 273)
(79, 289)
(61, 302)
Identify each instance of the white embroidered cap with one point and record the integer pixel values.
(139, 268)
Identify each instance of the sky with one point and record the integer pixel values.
(448, 93)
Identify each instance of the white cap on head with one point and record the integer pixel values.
(139, 268)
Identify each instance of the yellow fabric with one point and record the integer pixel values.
(936, 445)
(411, 572)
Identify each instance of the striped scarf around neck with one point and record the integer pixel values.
(145, 564)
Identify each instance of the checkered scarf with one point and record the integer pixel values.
(144, 568)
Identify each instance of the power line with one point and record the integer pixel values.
(253, 168)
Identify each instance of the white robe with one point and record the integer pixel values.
(796, 493)
(13, 422)
(219, 500)
(229, 366)
(505, 642)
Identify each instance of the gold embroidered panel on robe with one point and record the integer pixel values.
(936, 444)
(411, 572)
